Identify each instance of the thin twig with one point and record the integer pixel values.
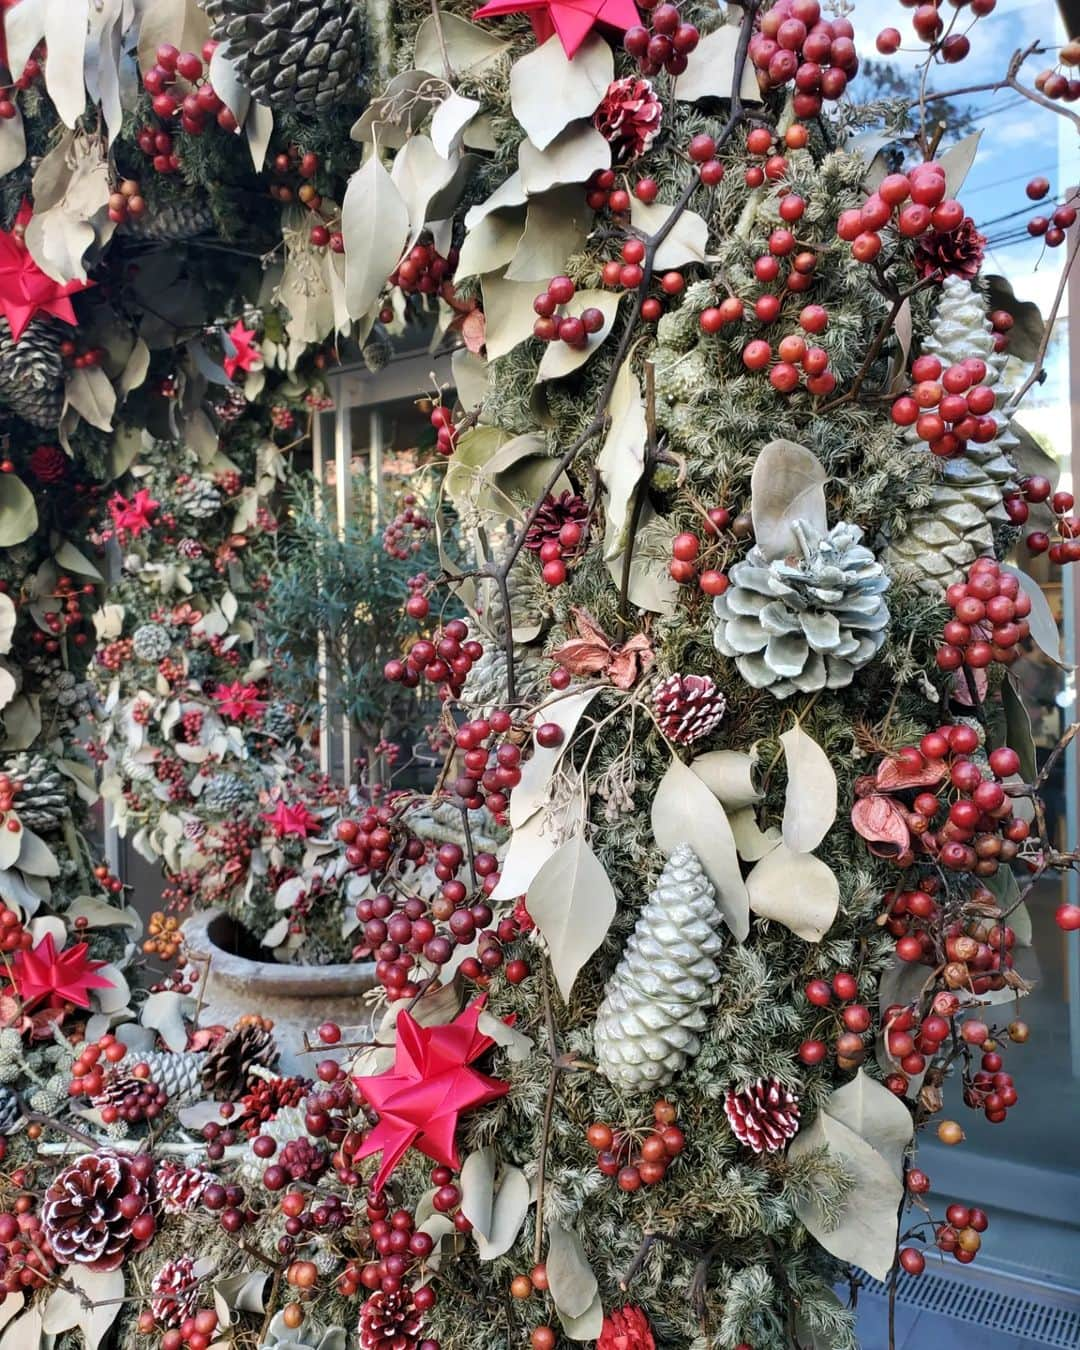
(1036, 372)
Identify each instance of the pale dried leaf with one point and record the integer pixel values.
(710, 69)
(1044, 628)
(685, 244)
(560, 359)
(259, 126)
(12, 143)
(751, 841)
(534, 788)
(957, 162)
(587, 1326)
(810, 804)
(512, 1200)
(508, 309)
(90, 392)
(226, 84)
(375, 226)
(490, 244)
(532, 843)
(572, 902)
(7, 622)
(65, 1309)
(621, 460)
(556, 226)
(65, 38)
(166, 1013)
(729, 776)
(787, 484)
(795, 889)
(470, 48)
(419, 173)
(571, 1281)
(548, 90)
(572, 157)
(478, 1189)
(449, 121)
(18, 511)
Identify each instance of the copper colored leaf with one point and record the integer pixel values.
(882, 823)
(893, 775)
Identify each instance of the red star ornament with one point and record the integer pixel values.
(65, 977)
(247, 354)
(25, 290)
(420, 1099)
(296, 821)
(573, 20)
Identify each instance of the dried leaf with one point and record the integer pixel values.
(419, 172)
(548, 90)
(572, 157)
(685, 244)
(1017, 727)
(24, 27)
(226, 84)
(508, 307)
(957, 161)
(18, 513)
(795, 889)
(478, 1189)
(375, 226)
(90, 392)
(621, 460)
(98, 914)
(531, 845)
(517, 1045)
(449, 121)
(729, 776)
(512, 1200)
(587, 1326)
(810, 804)
(508, 194)
(12, 143)
(556, 226)
(1026, 333)
(534, 788)
(135, 368)
(684, 811)
(259, 126)
(710, 69)
(752, 842)
(469, 48)
(787, 484)
(1044, 628)
(572, 902)
(92, 1304)
(652, 587)
(165, 1013)
(181, 22)
(571, 1281)
(36, 858)
(560, 358)
(8, 617)
(490, 244)
(65, 38)
(403, 106)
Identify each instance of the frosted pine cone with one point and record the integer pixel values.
(806, 622)
(180, 1188)
(180, 1075)
(151, 642)
(224, 792)
(654, 1004)
(390, 1322)
(84, 1215)
(10, 1111)
(629, 117)
(41, 801)
(175, 1292)
(688, 707)
(190, 549)
(764, 1116)
(198, 498)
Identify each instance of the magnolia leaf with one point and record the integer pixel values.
(226, 84)
(1044, 629)
(795, 889)
(686, 242)
(165, 1013)
(7, 622)
(517, 1045)
(25, 1331)
(18, 513)
(509, 313)
(469, 377)
(419, 172)
(243, 1292)
(587, 1326)
(572, 157)
(548, 90)
(534, 787)
(1017, 729)
(91, 1304)
(12, 1304)
(36, 858)
(98, 914)
(135, 368)
(787, 484)
(477, 1184)
(571, 1281)
(449, 121)
(375, 226)
(572, 902)
(511, 1204)
(729, 776)
(532, 843)
(810, 804)
(868, 1135)
(556, 226)
(469, 48)
(652, 586)
(8, 687)
(12, 143)
(65, 39)
(957, 161)
(684, 811)
(508, 194)
(259, 126)
(90, 392)
(621, 460)
(1028, 325)
(903, 332)
(490, 245)
(560, 358)
(751, 841)
(710, 69)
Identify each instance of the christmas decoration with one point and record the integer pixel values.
(763, 1116)
(228, 1066)
(955, 253)
(629, 117)
(175, 1292)
(100, 1210)
(688, 707)
(654, 1004)
(390, 1322)
(133, 518)
(626, 1328)
(181, 1188)
(291, 818)
(31, 371)
(25, 290)
(244, 354)
(420, 1099)
(572, 20)
(44, 975)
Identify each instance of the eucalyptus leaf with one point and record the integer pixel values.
(729, 776)
(375, 227)
(1018, 728)
(810, 804)
(511, 1204)
(573, 156)
(787, 484)
(1044, 627)
(477, 1184)
(560, 359)
(90, 392)
(8, 618)
(534, 787)
(621, 460)
(710, 69)
(795, 889)
(548, 90)
(18, 512)
(571, 1281)
(556, 225)
(572, 903)
(508, 310)
(89, 1300)
(469, 48)
(685, 243)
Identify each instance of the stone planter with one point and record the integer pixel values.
(296, 997)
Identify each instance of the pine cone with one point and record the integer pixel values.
(554, 513)
(180, 1188)
(10, 1110)
(41, 802)
(957, 253)
(169, 221)
(81, 1213)
(224, 792)
(180, 1075)
(688, 707)
(198, 498)
(764, 1116)
(806, 622)
(227, 1066)
(151, 642)
(278, 721)
(48, 464)
(302, 53)
(175, 1291)
(654, 1004)
(32, 371)
(390, 1322)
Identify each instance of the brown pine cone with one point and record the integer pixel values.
(957, 253)
(763, 1116)
(84, 1215)
(227, 1068)
(390, 1322)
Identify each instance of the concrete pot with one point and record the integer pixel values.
(296, 997)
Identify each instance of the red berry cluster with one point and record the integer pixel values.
(796, 359)
(1051, 229)
(855, 1021)
(26, 1259)
(1054, 83)
(444, 659)
(990, 619)
(423, 270)
(795, 43)
(687, 558)
(573, 329)
(88, 1072)
(914, 201)
(369, 840)
(491, 763)
(229, 1203)
(397, 1247)
(13, 936)
(127, 202)
(959, 1234)
(665, 44)
(948, 407)
(602, 193)
(195, 108)
(642, 1157)
(1034, 490)
(405, 534)
(282, 417)
(196, 1330)
(442, 419)
(553, 552)
(930, 27)
(628, 275)
(88, 358)
(130, 1101)
(760, 141)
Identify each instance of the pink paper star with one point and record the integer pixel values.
(431, 1084)
(573, 20)
(238, 702)
(285, 820)
(61, 977)
(135, 516)
(25, 290)
(248, 354)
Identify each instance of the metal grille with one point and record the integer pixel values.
(1029, 1317)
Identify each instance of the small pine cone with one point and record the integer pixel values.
(169, 221)
(227, 1066)
(32, 371)
(87, 1213)
(48, 464)
(41, 802)
(278, 721)
(10, 1110)
(175, 1292)
(180, 1188)
(763, 1116)
(688, 707)
(198, 498)
(180, 1075)
(151, 642)
(390, 1322)
(190, 549)
(231, 406)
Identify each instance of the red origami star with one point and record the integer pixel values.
(573, 20)
(135, 516)
(285, 820)
(25, 290)
(238, 702)
(247, 354)
(420, 1099)
(41, 973)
